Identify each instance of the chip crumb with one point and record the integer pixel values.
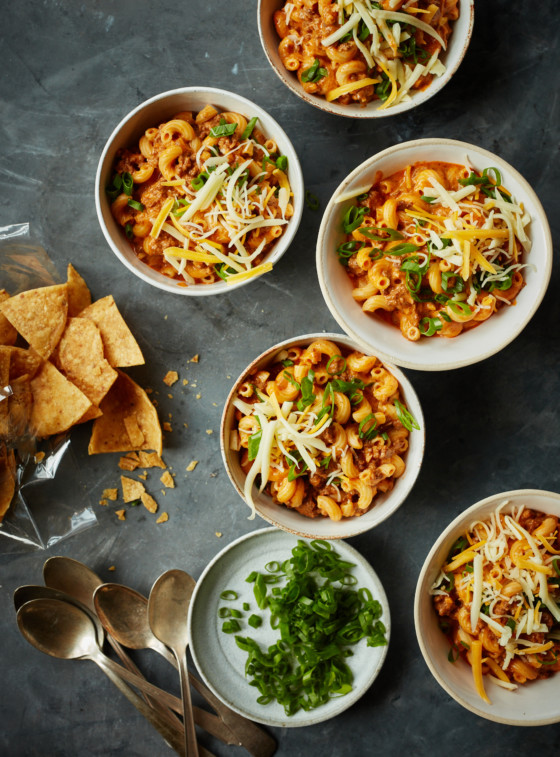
(170, 396)
(195, 359)
(163, 518)
(150, 460)
(213, 475)
(155, 403)
(129, 462)
(167, 426)
(163, 492)
(209, 431)
(149, 502)
(111, 568)
(39, 457)
(214, 404)
(185, 382)
(131, 489)
(143, 475)
(167, 480)
(165, 317)
(111, 494)
(103, 502)
(121, 515)
(149, 389)
(198, 396)
(219, 534)
(186, 425)
(192, 465)
(170, 415)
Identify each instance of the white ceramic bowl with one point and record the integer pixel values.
(155, 111)
(325, 528)
(458, 44)
(536, 703)
(384, 339)
(219, 660)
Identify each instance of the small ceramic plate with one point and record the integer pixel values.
(219, 660)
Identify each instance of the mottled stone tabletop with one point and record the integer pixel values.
(70, 72)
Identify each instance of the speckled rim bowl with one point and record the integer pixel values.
(458, 44)
(155, 111)
(436, 353)
(325, 528)
(220, 662)
(536, 703)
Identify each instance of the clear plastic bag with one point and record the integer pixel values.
(46, 506)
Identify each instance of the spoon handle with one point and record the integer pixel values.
(190, 733)
(171, 736)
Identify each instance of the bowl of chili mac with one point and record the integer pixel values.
(320, 439)
(365, 59)
(199, 191)
(434, 254)
(487, 608)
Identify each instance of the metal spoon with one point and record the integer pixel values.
(123, 613)
(168, 608)
(62, 630)
(25, 594)
(80, 582)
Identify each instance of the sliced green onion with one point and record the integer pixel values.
(388, 234)
(127, 183)
(135, 204)
(254, 621)
(371, 431)
(282, 162)
(128, 231)
(406, 417)
(228, 594)
(231, 626)
(336, 359)
(353, 217)
(314, 73)
(426, 198)
(223, 130)
(248, 130)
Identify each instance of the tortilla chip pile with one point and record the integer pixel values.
(68, 374)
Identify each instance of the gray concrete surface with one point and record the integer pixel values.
(69, 72)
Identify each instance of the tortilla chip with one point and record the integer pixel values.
(7, 479)
(19, 408)
(111, 494)
(131, 489)
(79, 296)
(24, 362)
(79, 356)
(129, 462)
(93, 412)
(149, 502)
(170, 378)
(121, 514)
(125, 399)
(121, 348)
(8, 334)
(39, 315)
(150, 460)
(133, 430)
(163, 518)
(57, 403)
(167, 480)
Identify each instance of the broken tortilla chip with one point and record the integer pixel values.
(8, 334)
(79, 356)
(129, 462)
(124, 400)
(7, 478)
(149, 502)
(79, 296)
(57, 403)
(131, 489)
(167, 480)
(150, 460)
(121, 348)
(5, 390)
(39, 315)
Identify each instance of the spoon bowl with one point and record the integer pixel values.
(57, 628)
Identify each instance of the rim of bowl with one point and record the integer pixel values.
(361, 523)
(539, 218)
(381, 596)
(486, 503)
(353, 111)
(145, 272)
